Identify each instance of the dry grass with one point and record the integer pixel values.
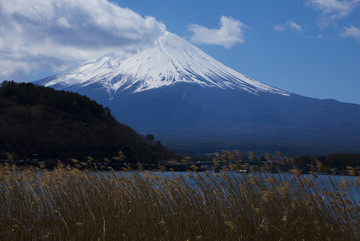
(69, 204)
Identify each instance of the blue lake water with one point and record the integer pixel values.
(330, 183)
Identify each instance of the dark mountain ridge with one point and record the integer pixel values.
(59, 124)
(190, 118)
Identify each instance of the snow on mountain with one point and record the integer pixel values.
(161, 90)
(170, 60)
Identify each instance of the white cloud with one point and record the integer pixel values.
(351, 32)
(63, 22)
(47, 35)
(333, 9)
(230, 33)
(288, 25)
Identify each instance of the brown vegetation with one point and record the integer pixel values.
(69, 204)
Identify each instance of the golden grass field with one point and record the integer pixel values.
(71, 204)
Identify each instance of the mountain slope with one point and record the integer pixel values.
(170, 61)
(58, 124)
(190, 100)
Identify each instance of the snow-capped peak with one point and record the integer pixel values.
(170, 60)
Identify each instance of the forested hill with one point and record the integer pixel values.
(59, 124)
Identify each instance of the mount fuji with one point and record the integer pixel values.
(194, 103)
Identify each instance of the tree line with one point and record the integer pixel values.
(51, 124)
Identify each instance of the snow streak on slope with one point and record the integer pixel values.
(171, 60)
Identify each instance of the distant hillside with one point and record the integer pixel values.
(59, 124)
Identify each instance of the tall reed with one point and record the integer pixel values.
(69, 204)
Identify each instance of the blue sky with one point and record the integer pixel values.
(308, 47)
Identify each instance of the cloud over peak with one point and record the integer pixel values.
(34, 32)
(230, 33)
